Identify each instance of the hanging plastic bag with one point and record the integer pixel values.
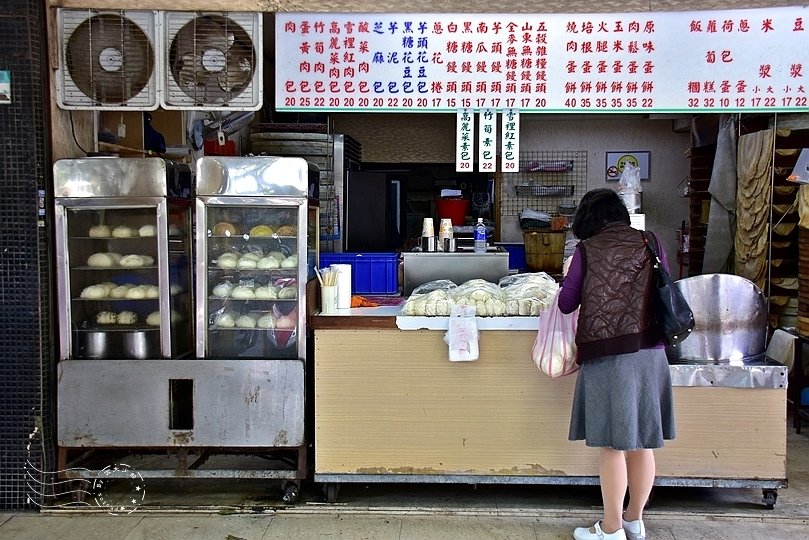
(462, 335)
(554, 350)
(630, 188)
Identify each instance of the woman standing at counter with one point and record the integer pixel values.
(623, 398)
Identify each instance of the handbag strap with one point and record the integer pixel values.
(649, 245)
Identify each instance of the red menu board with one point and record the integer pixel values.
(735, 60)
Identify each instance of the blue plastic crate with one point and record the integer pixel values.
(371, 273)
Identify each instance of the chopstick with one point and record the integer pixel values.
(328, 277)
(319, 278)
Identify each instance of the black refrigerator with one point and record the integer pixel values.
(373, 210)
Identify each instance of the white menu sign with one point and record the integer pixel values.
(487, 141)
(733, 60)
(465, 141)
(510, 146)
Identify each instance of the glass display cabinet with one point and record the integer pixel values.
(123, 253)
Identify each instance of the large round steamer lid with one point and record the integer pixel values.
(731, 320)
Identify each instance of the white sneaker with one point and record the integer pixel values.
(634, 529)
(583, 533)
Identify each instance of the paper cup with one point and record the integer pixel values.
(328, 299)
(427, 227)
(445, 228)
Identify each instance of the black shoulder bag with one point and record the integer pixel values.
(674, 315)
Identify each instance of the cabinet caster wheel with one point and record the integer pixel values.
(291, 493)
(331, 491)
(769, 498)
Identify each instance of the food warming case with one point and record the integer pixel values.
(123, 255)
(134, 379)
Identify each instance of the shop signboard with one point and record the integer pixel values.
(487, 141)
(709, 61)
(465, 141)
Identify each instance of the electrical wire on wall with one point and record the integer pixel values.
(73, 131)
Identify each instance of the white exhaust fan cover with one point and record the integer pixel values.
(108, 59)
(212, 60)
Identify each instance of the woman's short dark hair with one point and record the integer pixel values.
(597, 208)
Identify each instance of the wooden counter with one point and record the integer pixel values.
(389, 405)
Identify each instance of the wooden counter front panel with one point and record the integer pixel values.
(389, 402)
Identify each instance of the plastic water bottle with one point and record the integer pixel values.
(480, 237)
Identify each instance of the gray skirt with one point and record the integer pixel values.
(624, 401)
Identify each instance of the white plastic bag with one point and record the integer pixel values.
(462, 335)
(554, 350)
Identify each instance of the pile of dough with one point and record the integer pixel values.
(246, 321)
(223, 228)
(127, 317)
(147, 230)
(106, 317)
(100, 231)
(122, 231)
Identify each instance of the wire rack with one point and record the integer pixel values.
(546, 179)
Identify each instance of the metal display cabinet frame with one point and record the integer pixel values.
(131, 405)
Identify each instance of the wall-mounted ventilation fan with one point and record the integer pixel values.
(212, 61)
(107, 59)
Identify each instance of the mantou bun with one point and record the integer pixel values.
(268, 263)
(106, 317)
(152, 291)
(122, 231)
(246, 263)
(222, 290)
(120, 291)
(100, 260)
(267, 292)
(131, 261)
(153, 319)
(225, 320)
(246, 321)
(266, 321)
(148, 230)
(242, 293)
(136, 293)
(94, 292)
(127, 317)
(100, 231)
